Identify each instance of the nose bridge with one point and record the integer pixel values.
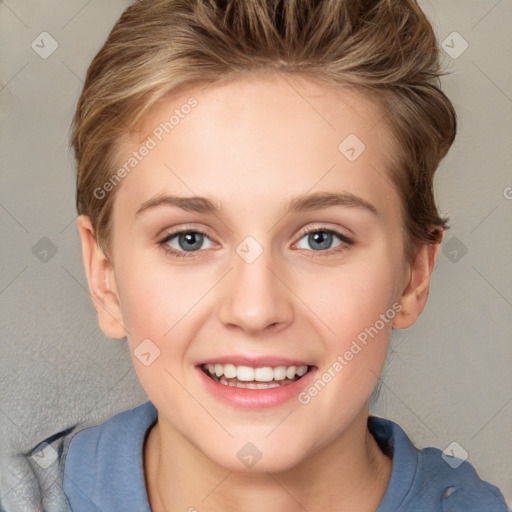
(254, 298)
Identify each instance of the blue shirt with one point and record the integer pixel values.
(104, 472)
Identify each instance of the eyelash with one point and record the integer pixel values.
(346, 242)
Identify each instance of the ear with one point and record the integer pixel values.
(101, 279)
(415, 294)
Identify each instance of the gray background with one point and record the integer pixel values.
(447, 379)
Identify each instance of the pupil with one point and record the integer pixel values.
(322, 238)
(193, 241)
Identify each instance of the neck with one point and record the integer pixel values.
(351, 471)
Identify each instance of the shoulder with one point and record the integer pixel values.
(105, 462)
(110, 432)
(461, 486)
(430, 479)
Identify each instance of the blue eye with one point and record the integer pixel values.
(320, 240)
(189, 241)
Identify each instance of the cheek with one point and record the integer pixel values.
(156, 309)
(356, 307)
(166, 305)
(360, 310)
(354, 298)
(153, 297)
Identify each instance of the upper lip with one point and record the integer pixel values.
(255, 362)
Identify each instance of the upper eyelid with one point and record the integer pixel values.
(322, 227)
(179, 231)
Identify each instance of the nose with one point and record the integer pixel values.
(255, 298)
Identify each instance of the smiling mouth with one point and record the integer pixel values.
(264, 377)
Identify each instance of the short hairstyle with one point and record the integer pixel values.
(386, 49)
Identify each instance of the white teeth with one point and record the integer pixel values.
(280, 373)
(265, 374)
(260, 374)
(290, 372)
(302, 370)
(245, 373)
(230, 371)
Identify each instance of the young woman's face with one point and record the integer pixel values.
(291, 255)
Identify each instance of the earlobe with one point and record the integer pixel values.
(415, 294)
(101, 279)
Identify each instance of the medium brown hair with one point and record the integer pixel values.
(385, 48)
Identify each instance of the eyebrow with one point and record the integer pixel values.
(315, 201)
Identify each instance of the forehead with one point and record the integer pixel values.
(266, 138)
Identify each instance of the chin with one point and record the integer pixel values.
(253, 457)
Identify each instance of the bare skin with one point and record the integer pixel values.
(303, 488)
(252, 146)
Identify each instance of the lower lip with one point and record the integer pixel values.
(256, 398)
